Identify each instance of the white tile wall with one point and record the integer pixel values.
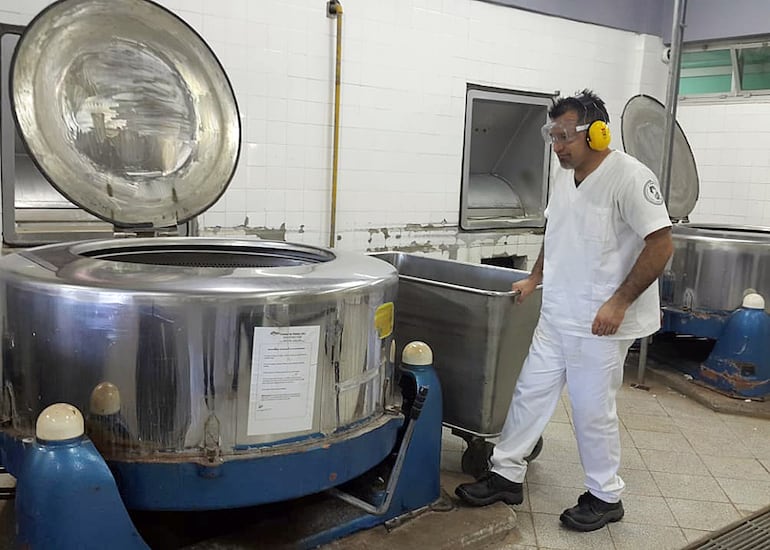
(405, 68)
(731, 146)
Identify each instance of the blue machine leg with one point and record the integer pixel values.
(739, 364)
(66, 497)
(418, 484)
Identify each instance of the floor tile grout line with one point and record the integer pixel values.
(612, 539)
(660, 433)
(655, 481)
(531, 516)
(526, 485)
(711, 530)
(740, 478)
(728, 501)
(673, 515)
(707, 475)
(735, 504)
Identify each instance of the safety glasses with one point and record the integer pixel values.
(555, 132)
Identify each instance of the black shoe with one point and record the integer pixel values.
(490, 488)
(591, 513)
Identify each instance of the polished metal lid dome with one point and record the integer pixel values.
(643, 124)
(126, 110)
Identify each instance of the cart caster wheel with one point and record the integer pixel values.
(475, 461)
(536, 451)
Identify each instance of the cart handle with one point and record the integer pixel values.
(441, 284)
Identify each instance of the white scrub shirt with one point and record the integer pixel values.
(594, 235)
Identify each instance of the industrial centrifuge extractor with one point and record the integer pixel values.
(182, 373)
(717, 283)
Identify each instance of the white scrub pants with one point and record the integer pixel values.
(593, 371)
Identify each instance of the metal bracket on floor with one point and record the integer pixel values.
(383, 508)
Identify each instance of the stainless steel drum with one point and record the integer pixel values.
(714, 265)
(214, 345)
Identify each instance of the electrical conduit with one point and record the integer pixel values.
(335, 10)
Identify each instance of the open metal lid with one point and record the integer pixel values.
(125, 110)
(643, 124)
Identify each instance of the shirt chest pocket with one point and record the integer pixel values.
(596, 224)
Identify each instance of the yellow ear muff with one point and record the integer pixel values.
(598, 135)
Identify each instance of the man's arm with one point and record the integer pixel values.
(527, 286)
(658, 247)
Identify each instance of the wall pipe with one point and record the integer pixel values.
(334, 9)
(672, 93)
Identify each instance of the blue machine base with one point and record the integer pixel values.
(704, 325)
(67, 496)
(252, 481)
(739, 364)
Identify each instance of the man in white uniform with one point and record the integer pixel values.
(607, 239)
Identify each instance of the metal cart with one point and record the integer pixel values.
(479, 335)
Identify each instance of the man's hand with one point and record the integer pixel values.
(658, 247)
(525, 287)
(609, 317)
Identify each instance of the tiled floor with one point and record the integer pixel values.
(688, 470)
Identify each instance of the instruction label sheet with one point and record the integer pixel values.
(283, 373)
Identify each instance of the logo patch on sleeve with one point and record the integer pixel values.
(652, 194)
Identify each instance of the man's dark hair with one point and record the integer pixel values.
(586, 104)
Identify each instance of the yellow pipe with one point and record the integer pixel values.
(335, 155)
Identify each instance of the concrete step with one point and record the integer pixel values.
(454, 526)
